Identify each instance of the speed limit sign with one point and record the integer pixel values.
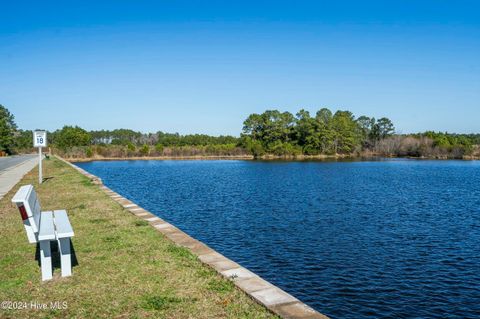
(39, 139)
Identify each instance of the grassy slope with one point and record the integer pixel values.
(126, 268)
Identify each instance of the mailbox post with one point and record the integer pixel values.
(40, 140)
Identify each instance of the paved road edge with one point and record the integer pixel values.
(11, 176)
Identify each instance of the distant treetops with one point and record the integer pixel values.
(7, 130)
(269, 133)
(326, 133)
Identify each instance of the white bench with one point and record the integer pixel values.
(43, 227)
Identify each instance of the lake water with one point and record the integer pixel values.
(368, 239)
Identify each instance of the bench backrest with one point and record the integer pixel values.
(27, 203)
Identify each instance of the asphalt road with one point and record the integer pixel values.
(6, 162)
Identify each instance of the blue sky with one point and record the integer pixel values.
(204, 66)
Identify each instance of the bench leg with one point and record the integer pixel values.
(65, 257)
(46, 259)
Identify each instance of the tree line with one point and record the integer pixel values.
(125, 136)
(282, 133)
(269, 133)
(430, 145)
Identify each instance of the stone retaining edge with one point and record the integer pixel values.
(262, 291)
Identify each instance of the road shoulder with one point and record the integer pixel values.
(12, 175)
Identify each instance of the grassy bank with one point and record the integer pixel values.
(126, 268)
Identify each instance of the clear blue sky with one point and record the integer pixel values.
(204, 66)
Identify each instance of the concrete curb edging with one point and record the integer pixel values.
(262, 291)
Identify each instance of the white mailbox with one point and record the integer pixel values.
(40, 139)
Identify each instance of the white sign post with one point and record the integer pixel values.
(40, 140)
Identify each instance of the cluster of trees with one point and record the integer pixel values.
(73, 141)
(69, 136)
(272, 132)
(14, 140)
(430, 145)
(451, 141)
(125, 137)
(76, 142)
(7, 130)
(326, 133)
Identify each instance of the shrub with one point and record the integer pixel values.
(89, 152)
(131, 149)
(254, 147)
(145, 150)
(284, 149)
(159, 149)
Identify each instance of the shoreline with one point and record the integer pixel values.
(297, 158)
(273, 298)
(156, 158)
(125, 255)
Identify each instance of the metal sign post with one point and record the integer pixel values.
(40, 140)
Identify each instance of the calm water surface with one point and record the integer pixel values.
(381, 239)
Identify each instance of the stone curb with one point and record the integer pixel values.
(262, 291)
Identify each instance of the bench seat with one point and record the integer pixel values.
(47, 228)
(63, 228)
(43, 227)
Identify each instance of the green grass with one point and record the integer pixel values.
(162, 302)
(220, 285)
(141, 222)
(126, 268)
